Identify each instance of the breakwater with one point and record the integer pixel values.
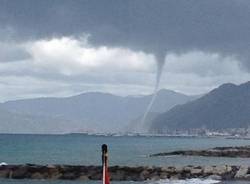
(123, 173)
(235, 152)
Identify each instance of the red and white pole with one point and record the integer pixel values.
(105, 173)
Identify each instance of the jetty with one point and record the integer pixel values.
(233, 152)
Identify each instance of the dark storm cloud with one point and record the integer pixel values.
(153, 26)
(207, 43)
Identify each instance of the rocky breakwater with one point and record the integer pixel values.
(123, 173)
(240, 151)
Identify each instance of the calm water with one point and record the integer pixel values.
(132, 151)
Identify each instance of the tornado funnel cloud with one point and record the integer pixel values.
(160, 59)
(160, 65)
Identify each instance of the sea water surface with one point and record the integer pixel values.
(80, 149)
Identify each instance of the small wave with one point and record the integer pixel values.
(188, 181)
(3, 164)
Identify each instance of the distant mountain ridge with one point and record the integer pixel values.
(227, 106)
(92, 111)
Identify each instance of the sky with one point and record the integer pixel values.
(67, 47)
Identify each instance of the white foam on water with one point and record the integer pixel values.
(188, 181)
(3, 164)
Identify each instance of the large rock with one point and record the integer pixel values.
(37, 176)
(4, 173)
(242, 172)
(220, 170)
(196, 171)
(20, 172)
(144, 175)
(208, 170)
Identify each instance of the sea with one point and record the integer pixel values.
(81, 149)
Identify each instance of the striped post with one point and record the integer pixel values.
(105, 174)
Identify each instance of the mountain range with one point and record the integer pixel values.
(87, 112)
(227, 106)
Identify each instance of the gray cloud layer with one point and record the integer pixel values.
(206, 40)
(142, 24)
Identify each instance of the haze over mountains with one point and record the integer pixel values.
(94, 111)
(227, 106)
